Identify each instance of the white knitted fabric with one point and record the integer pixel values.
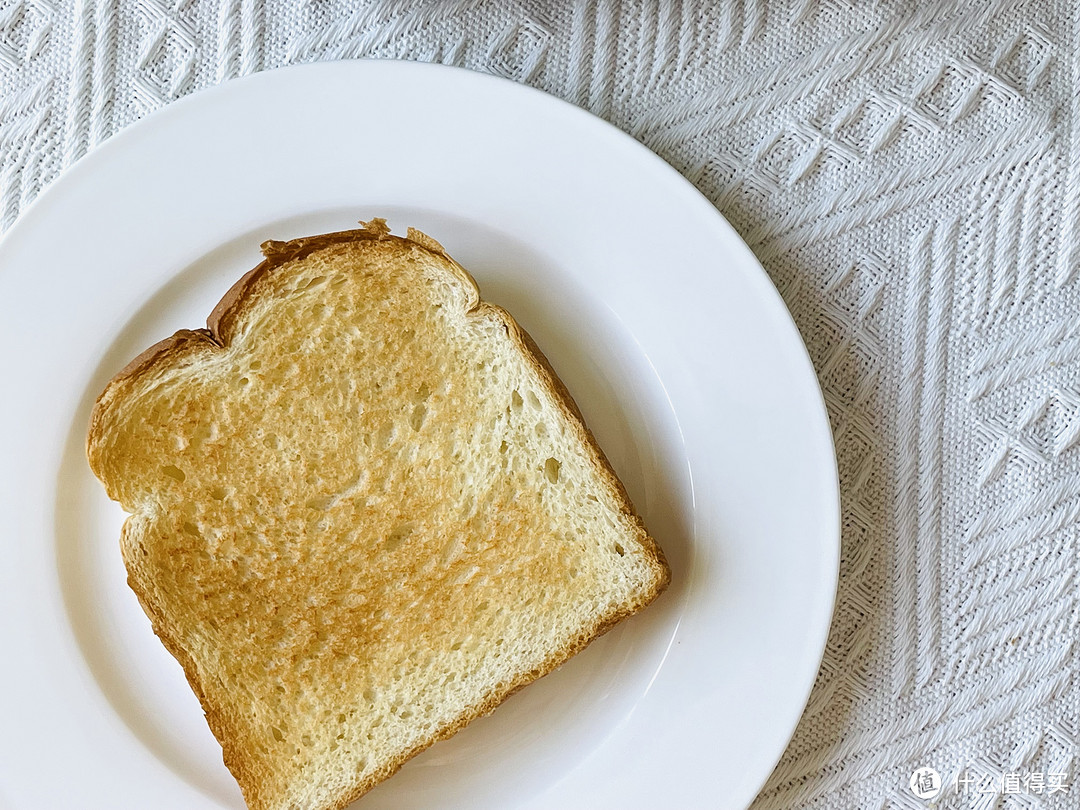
(907, 173)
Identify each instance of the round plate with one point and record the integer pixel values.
(676, 346)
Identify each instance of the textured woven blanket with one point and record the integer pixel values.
(907, 174)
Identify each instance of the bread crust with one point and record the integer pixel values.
(217, 336)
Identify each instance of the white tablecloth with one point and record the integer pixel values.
(907, 174)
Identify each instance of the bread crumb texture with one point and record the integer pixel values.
(363, 511)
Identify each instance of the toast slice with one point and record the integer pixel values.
(363, 511)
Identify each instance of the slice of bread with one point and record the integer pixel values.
(363, 511)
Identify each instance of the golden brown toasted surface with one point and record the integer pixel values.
(363, 512)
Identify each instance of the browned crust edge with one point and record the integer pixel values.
(497, 698)
(218, 335)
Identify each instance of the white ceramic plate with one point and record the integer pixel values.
(661, 322)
